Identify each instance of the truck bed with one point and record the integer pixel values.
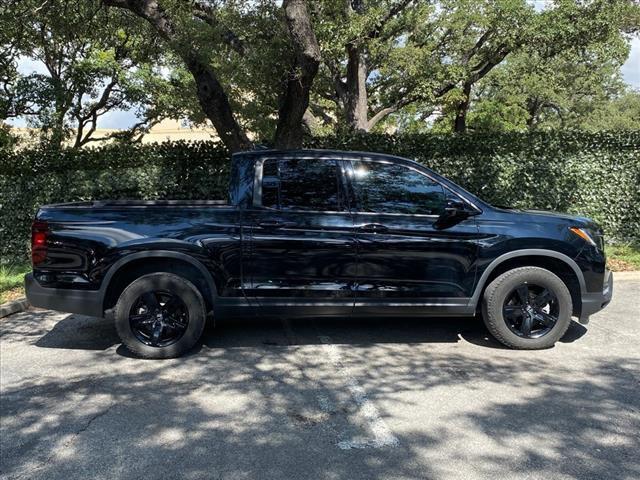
(138, 203)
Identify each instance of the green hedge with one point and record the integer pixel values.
(597, 175)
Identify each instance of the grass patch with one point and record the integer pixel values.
(623, 257)
(12, 281)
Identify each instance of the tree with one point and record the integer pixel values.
(93, 65)
(530, 92)
(392, 54)
(177, 23)
(621, 113)
(382, 56)
(574, 51)
(276, 70)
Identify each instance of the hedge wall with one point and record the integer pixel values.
(597, 175)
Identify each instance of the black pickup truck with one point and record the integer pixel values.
(312, 233)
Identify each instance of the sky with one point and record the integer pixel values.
(125, 119)
(631, 69)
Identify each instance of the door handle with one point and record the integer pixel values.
(275, 224)
(374, 228)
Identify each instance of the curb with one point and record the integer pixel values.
(15, 306)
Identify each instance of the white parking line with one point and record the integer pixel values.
(382, 436)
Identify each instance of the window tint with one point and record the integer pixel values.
(300, 184)
(389, 188)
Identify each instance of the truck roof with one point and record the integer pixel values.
(319, 153)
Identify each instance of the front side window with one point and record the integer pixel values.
(391, 188)
(300, 184)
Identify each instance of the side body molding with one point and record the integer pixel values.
(521, 253)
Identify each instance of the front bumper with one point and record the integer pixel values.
(84, 302)
(594, 302)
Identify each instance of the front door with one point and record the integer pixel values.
(301, 249)
(405, 262)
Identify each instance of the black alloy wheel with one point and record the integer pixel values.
(527, 308)
(160, 315)
(158, 318)
(531, 311)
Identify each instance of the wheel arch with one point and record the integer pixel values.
(556, 262)
(134, 265)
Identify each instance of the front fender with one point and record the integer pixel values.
(486, 274)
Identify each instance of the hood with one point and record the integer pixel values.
(574, 220)
(542, 215)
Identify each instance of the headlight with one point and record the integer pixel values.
(588, 236)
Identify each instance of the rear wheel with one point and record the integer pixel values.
(160, 315)
(527, 308)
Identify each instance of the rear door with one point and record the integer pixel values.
(302, 250)
(404, 261)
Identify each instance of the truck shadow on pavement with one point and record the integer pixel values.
(87, 333)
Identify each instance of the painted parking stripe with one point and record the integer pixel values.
(381, 435)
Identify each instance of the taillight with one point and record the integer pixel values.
(39, 234)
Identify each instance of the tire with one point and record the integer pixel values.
(140, 313)
(508, 318)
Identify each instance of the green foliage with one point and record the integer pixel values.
(423, 55)
(8, 141)
(624, 256)
(622, 113)
(597, 175)
(253, 67)
(565, 91)
(12, 276)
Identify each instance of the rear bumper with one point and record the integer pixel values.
(84, 302)
(594, 302)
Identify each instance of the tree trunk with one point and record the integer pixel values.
(215, 105)
(353, 93)
(356, 101)
(460, 122)
(57, 130)
(58, 134)
(290, 128)
(532, 110)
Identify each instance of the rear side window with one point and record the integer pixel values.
(391, 188)
(301, 184)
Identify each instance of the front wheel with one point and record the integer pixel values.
(527, 308)
(160, 315)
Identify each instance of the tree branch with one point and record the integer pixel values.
(211, 94)
(93, 113)
(384, 112)
(393, 11)
(481, 69)
(478, 45)
(207, 14)
(139, 129)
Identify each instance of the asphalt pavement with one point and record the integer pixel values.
(323, 399)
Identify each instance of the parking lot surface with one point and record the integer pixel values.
(323, 399)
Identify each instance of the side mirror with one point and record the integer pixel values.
(454, 212)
